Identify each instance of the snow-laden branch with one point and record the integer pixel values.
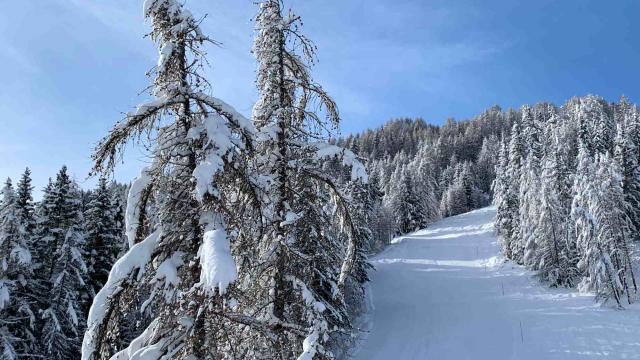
(140, 120)
(134, 205)
(229, 112)
(311, 344)
(347, 225)
(219, 142)
(346, 157)
(136, 258)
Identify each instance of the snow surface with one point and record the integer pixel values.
(444, 293)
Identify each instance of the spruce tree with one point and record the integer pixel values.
(103, 239)
(529, 183)
(626, 155)
(510, 222)
(25, 202)
(118, 208)
(17, 316)
(500, 188)
(406, 206)
(556, 258)
(64, 269)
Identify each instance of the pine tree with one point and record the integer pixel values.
(64, 270)
(461, 195)
(500, 188)
(17, 318)
(406, 206)
(102, 240)
(556, 257)
(602, 228)
(596, 128)
(529, 183)
(25, 203)
(626, 155)
(424, 170)
(509, 226)
(485, 166)
(117, 204)
(614, 227)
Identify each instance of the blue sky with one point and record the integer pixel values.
(70, 68)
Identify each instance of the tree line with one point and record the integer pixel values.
(419, 172)
(55, 255)
(567, 193)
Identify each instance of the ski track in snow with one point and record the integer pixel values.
(444, 293)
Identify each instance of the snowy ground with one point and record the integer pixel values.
(443, 293)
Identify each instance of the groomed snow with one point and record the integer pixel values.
(444, 293)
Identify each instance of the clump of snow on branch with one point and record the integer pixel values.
(219, 142)
(217, 267)
(291, 218)
(5, 296)
(139, 349)
(307, 295)
(168, 269)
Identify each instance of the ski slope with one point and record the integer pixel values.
(444, 293)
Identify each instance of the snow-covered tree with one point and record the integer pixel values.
(509, 207)
(460, 196)
(529, 184)
(17, 318)
(118, 208)
(301, 285)
(180, 267)
(24, 201)
(485, 166)
(602, 229)
(407, 207)
(63, 269)
(556, 255)
(102, 237)
(627, 156)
